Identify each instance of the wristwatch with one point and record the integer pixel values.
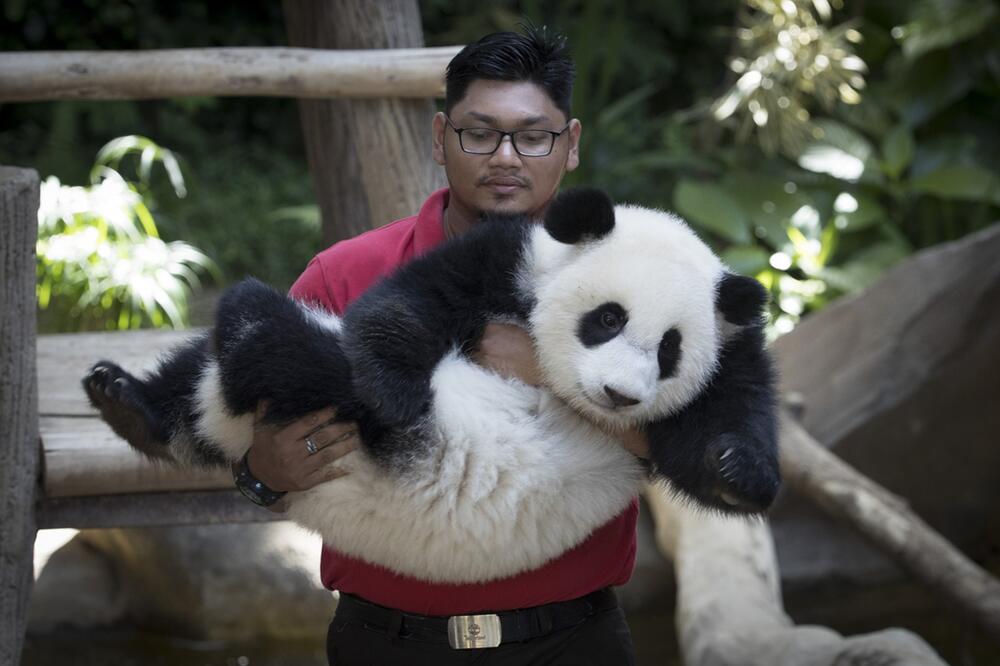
(252, 487)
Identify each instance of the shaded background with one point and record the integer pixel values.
(814, 145)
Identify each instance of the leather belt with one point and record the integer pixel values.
(480, 630)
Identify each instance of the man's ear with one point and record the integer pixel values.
(580, 213)
(740, 299)
(438, 127)
(573, 156)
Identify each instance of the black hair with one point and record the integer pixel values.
(539, 56)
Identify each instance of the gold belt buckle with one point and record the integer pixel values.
(469, 632)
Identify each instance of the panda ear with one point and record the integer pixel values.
(740, 299)
(581, 213)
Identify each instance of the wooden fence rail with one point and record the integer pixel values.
(31, 76)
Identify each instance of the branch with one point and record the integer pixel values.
(276, 72)
(890, 524)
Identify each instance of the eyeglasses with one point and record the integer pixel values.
(485, 141)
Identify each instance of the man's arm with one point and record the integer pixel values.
(509, 351)
(278, 456)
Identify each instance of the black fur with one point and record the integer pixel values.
(601, 324)
(740, 299)
(669, 353)
(148, 413)
(377, 371)
(578, 214)
(724, 444)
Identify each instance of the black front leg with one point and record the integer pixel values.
(722, 450)
(398, 331)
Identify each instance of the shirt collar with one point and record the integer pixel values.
(429, 228)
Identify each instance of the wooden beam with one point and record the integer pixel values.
(18, 403)
(83, 457)
(207, 507)
(31, 76)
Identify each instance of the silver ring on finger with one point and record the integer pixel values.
(311, 447)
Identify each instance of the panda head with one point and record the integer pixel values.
(631, 308)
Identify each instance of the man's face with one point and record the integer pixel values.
(504, 181)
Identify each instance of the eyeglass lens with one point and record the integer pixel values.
(532, 143)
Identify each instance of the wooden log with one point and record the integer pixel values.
(889, 523)
(393, 135)
(18, 403)
(729, 608)
(250, 72)
(207, 507)
(83, 457)
(64, 359)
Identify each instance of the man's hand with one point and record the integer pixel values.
(509, 351)
(280, 458)
(635, 442)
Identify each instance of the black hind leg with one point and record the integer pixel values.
(120, 397)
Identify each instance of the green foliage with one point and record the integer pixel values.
(243, 158)
(101, 263)
(885, 147)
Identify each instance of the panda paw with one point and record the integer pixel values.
(746, 477)
(117, 395)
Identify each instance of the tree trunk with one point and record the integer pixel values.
(18, 403)
(370, 159)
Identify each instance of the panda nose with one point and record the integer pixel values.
(619, 399)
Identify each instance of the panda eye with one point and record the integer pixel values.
(601, 324)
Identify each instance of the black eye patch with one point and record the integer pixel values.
(601, 324)
(669, 354)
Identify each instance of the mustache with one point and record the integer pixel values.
(504, 180)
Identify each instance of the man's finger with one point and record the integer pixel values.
(332, 433)
(304, 426)
(258, 414)
(338, 450)
(323, 474)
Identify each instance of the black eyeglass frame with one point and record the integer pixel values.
(512, 135)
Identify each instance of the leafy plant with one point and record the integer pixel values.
(818, 196)
(101, 262)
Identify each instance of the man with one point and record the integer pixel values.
(505, 140)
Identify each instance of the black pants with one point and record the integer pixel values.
(602, 639)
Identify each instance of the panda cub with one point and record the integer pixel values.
(464, 475)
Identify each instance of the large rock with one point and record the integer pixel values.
(901, 381)
(229, 582)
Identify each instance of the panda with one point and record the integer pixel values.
(464, 475)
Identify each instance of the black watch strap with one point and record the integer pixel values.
(252, 487)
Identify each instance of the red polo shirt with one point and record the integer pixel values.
(333, 279)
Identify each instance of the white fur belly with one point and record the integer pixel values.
(514, 479)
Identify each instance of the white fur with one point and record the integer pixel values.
(233, 434)
(514, 480)
(510, 476)
(324, 318)
(664, 276)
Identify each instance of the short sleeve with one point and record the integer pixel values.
(313, 288)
